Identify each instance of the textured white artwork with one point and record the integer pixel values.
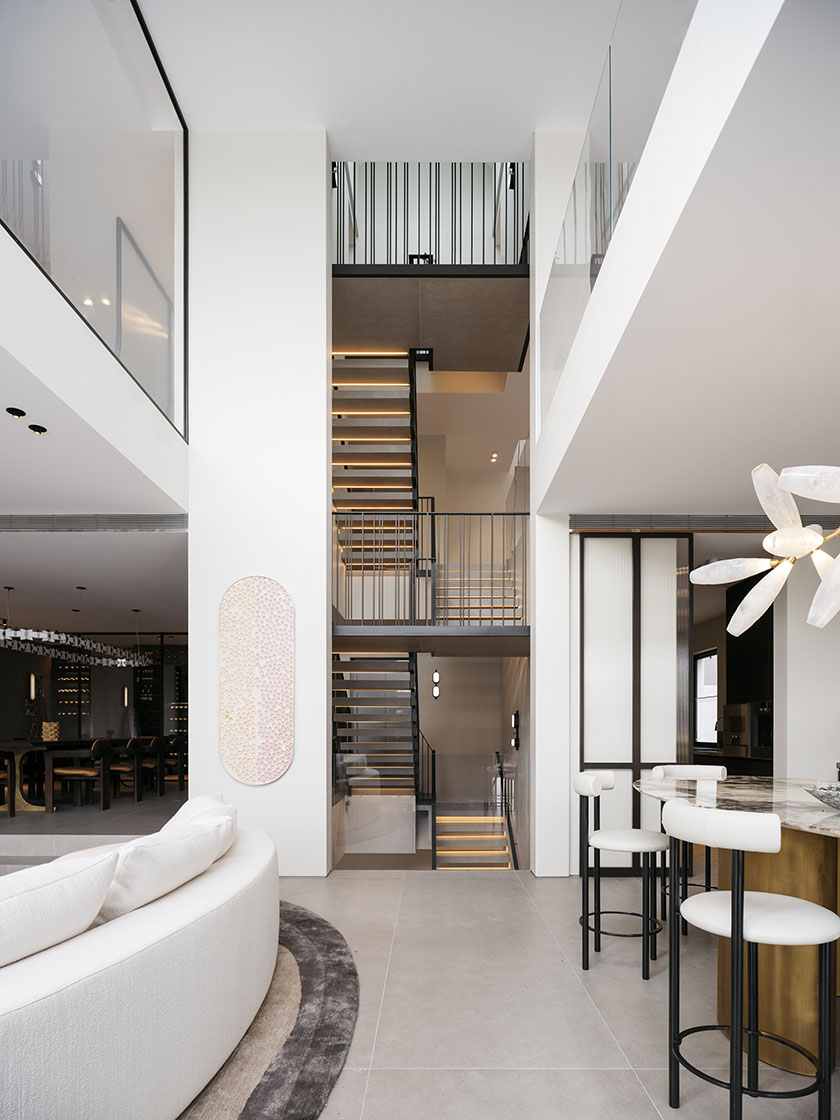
(257, 680)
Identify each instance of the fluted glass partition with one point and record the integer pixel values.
(92, 166)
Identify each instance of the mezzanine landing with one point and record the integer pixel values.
(450, 641)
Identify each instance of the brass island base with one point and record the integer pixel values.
(805, 867)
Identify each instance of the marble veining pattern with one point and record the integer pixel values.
(796, 808)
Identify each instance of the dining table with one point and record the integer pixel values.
(16, 749)
(806, 866)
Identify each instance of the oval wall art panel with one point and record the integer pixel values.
(257, 680)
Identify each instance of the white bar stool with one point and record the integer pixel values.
(757, 918)
(591, 783)
(684, 773)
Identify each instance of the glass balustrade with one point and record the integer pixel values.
(92, 169)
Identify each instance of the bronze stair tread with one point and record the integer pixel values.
(371, 406)
(385, 433)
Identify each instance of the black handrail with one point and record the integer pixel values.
(427, 788)
(503, 785)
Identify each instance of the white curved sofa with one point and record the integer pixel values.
(131, 1019)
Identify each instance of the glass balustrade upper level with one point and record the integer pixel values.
(92, 170)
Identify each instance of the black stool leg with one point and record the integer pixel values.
(708, 881)
(684, 882)
(824, 1074)
(673, 987)
(645, 915)
(736, 990)
(652, 904)
(597, 877)
(584, 883)
(752, 1014)
(663, 889)
(597, 888)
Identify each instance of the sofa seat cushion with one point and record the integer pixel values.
(152, 866)
(42, 906)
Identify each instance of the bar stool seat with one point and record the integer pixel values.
(769, 919)
(748, 919)
(628, 840)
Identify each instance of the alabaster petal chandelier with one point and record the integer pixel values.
(791, 541)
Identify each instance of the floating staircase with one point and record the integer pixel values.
(468, 842)
(375, 724)
(374, 468)
(477, 597)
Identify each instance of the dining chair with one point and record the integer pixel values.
(84, 777)
(747, 918)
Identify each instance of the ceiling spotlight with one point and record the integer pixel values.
(16, 412)
(105, 301)
(38, 429)
(436, 691)
(87, 302)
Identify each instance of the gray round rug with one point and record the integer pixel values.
(286, 1065)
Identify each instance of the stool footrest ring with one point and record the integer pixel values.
(654, 927)
(811, 1087)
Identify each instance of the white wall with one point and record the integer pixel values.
(44, 335)
(720, 48)
(260, 438)
(805, 675)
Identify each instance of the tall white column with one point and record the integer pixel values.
(553, 161)
(550, 696)
(259, 410)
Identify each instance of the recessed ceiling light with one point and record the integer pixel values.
(16, 412)
(87, 301)
(105, 301)
(38, 429)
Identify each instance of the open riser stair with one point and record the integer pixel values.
(468, 842)
(375, 724)
(374, 466)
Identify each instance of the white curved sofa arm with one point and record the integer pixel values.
(134, 1017)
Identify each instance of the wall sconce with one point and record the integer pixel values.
(125, 696)
(514, 724)
(435, 684)
(32, 686)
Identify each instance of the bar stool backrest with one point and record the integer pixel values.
(592, 783)
(722, 828)
(689, 773)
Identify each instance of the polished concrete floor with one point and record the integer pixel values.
(474, 1007)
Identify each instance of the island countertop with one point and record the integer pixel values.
(796, 808)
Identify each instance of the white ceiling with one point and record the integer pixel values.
(476, 425)
(469, 80)
(731, 356)
(71, 469)
(121, 571)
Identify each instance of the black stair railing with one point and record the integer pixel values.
(427, 789)
(506, 796)
(424, 568)
(427, 214)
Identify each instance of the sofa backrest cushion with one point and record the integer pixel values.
(152, 866)
(41, 906)
(200, 810)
